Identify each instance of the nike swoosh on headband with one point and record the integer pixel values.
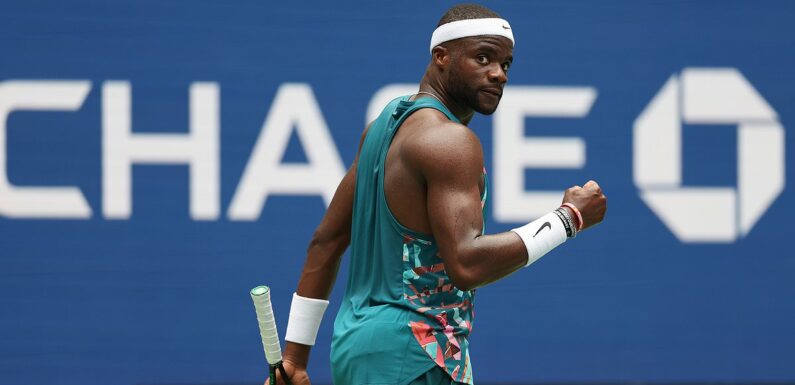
(471, 27)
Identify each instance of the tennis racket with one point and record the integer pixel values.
(261, 295)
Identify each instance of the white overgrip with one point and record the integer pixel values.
(267, 324)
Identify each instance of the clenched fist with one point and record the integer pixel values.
(590, 200)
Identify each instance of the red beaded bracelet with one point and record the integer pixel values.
(577, 213)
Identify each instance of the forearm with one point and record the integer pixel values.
(329, 242)
(489, 258)
(317, 279)
(321, 267)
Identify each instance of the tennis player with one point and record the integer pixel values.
(411, 208)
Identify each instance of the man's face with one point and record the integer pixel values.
(479, 70)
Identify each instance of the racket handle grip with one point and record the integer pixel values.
(267, 324)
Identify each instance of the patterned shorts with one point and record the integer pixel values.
(435, 376)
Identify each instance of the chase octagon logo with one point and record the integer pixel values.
(708, 214)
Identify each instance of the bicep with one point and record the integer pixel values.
(453, 197)
(455, 216)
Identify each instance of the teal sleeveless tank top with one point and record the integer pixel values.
(400, 315)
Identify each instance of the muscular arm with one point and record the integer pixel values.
(450, 159)
(324, 253)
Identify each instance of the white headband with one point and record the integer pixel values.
(471, 27)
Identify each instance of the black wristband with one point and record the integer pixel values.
(566, 223)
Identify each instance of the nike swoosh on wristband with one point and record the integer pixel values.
(504, 27)
(546, 224)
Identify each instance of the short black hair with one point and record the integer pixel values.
(467, 11)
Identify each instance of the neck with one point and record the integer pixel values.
(430, 85)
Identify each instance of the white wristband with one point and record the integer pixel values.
(541, 236)
(305, 317)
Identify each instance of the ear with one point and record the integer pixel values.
(440, 56)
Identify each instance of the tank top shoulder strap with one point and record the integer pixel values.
(406, 107)
(403, 109)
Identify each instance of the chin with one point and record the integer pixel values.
(486, 109)
(486, 106)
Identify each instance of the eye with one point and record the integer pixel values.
(482, 59)
(506, 66)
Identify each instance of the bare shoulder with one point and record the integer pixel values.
(436, 145)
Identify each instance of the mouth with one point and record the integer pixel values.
(492, 91)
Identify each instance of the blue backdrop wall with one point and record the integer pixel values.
(681, 110)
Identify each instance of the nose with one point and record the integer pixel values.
(497, 74)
